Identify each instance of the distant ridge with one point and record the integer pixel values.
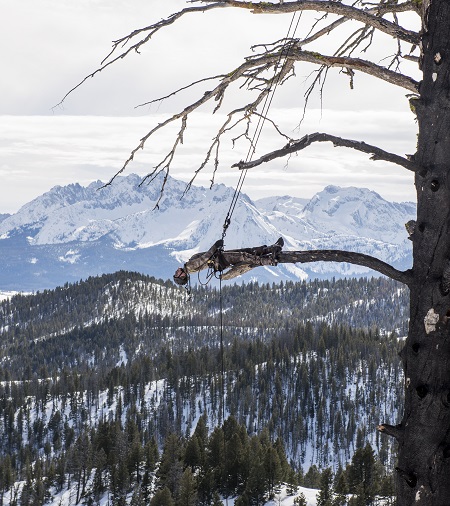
(72, 232)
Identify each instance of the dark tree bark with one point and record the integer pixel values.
(424, 438)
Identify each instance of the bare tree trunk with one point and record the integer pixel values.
(424, 434)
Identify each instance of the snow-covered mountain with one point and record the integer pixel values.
(73, 232)
(344, 218)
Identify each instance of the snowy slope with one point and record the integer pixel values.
(345, 218)
(72, 232)
(66, 497)
(158, 393)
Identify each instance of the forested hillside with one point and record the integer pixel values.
(100, 378)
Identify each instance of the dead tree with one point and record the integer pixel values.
(424, 433)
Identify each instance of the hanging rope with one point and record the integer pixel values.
(222, 365)
(221, 349)
(261, 120)
(251, 151)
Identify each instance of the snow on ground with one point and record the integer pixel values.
(282, 499)
(7, 295)
(68, 497)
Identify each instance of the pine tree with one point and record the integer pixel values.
(27, 489)
(300, 500)
(292, 482)
(358, 498)
(135, 450)
(216, 501)
(242, 500)
(201, 433)
(151, 454)
(387, 489)
(170, 468)
(340, 488)
(162, 497)
(325, 495)
(234, 457)
(312, 478)
(137, 499)
(215, 457)
(98, 485)
(257, 484)
(363, 474)
(206, 486)
(193, 455)
(281, 451)
(146, 485)
(6, 474)
(188, 489)
(273, 469)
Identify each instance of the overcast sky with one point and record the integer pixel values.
(50, 45)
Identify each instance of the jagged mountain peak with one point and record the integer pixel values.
(63, 213)
(3, 216)
(357, 211)
(74, 231)
(284, 204)
(332, 197)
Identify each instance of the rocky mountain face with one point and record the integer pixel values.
(73, 232)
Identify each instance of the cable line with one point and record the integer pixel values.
(261, 120)
(251, 151)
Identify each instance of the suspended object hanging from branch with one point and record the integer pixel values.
(232, 263)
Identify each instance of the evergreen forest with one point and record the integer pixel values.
(122, 388)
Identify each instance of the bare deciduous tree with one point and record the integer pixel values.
(424, 433)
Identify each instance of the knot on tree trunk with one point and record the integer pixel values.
(410, 478)
(445, 281)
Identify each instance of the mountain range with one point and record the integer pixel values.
(72, 232)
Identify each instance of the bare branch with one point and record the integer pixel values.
(396, 431)
(253, 73)
(356, 64)
(411, 57)
(240, 261)
(275, 126)
(324, 31)
(149, 31)
(355, 40)
(371, 17)
(379, 10)
(348, 11)
(295, 53)
(164, 166)
(173, 93)
(257, 65)
(217, 94)
(226, 127)
(345, 256)
(307, 140)
(246, 264)
(215, 145)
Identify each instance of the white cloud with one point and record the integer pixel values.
(61, 41)
(39, 152)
